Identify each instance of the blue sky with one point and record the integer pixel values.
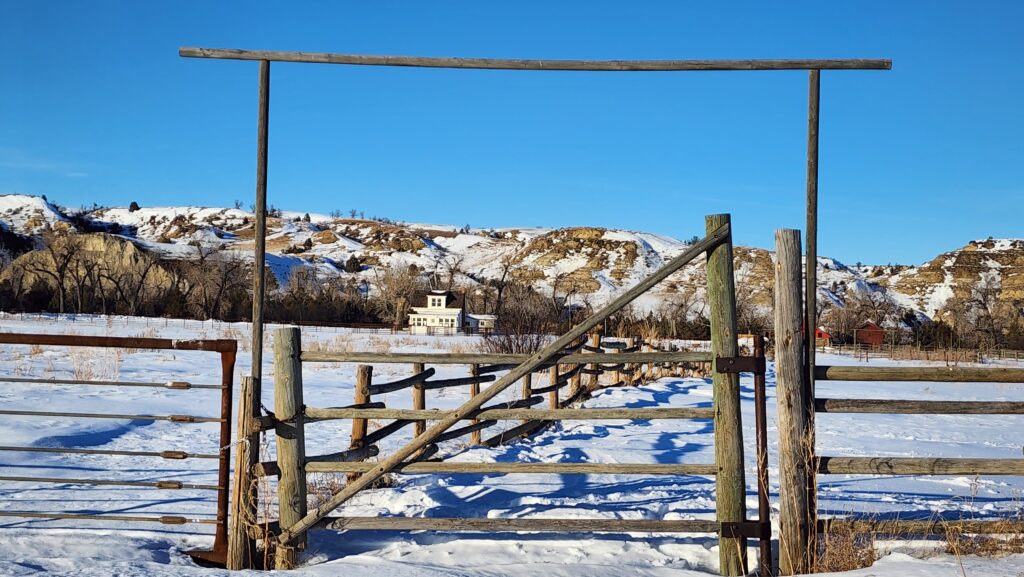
(96, 106)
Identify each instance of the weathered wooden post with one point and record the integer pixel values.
(553, 381)
(291, 438)
(527, 388)
(730, 482)
(242, 547)
(419, 399)
(364, 376)
(595, 377)
(795, 453)
(474, 390)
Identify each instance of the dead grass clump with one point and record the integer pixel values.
(1006, 537)
(843, 549)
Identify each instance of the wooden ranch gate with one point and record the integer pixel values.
(290, 415)
(226, 349)
(797, 404)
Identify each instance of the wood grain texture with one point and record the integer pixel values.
(524, 64)
(523, 468)
(492, 525)
(918, 466)
(796, 515)
(730, 483)
(501, 359)
(932, 374)
(291, 438)
(595, 414)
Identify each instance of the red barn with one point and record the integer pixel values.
(821, 338)
(869, 334)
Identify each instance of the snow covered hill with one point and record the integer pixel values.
(592, 264)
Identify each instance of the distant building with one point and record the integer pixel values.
(437, 312)
(822, 338)
(869, 334)
(480, 323)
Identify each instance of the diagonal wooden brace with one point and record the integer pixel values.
(296, 531)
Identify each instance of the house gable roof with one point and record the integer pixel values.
(452, 299)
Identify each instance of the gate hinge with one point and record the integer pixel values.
(740, 365)
(746, 529)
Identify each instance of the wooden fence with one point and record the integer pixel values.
(225, 348)
(572, 363)
(798, 405)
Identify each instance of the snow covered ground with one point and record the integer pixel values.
(44, 547)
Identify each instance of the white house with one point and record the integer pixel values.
(436, 312)
(439, 312)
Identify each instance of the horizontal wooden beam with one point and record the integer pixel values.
(918, 466)
(522, 468)
(322, 414)
(903, 407)
(491, 525)
(924, 527)
(934, 374)
(520, 64)
(501, 359)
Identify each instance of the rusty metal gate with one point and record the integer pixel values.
(226, 350)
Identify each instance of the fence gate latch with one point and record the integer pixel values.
(740, 365)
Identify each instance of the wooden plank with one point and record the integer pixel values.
(524, 64)
(904, 527)
(918, 466)
(294, 532)
(593, 414)
(291, 439)
(931, 374)
(502, 359)
(795, 452)
(730, 483)
(523, 468)
(904, 407)
(495, 525)
(244, 499)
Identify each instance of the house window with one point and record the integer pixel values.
(436, 302)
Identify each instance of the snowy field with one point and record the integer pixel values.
(93, 548)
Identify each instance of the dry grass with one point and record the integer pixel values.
(380, 345)
(843, 549)
(338, 344)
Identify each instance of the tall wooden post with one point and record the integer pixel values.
(291, 438)
(244, 498)
(474, 390)
(419, 399)
(811, 263)
(730, 482)
(795, 453)
(260, 255)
